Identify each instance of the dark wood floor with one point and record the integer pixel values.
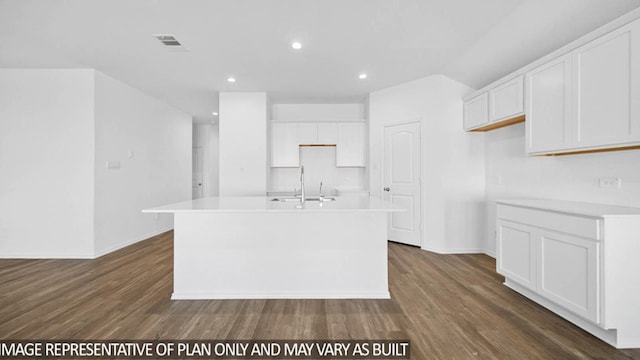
(449, 306)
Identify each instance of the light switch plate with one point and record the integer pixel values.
(111, 164)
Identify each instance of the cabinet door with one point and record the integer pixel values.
(548, 124)
(328, 134)
(516, 253)
(307, 134)
(350, 149)
(506, 100)
(476, 112)
(569, 273)
(284, 145)
(606, 89)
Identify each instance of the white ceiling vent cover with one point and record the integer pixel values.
(167, 40)
(170, 42)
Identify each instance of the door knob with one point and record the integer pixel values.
(387, 189)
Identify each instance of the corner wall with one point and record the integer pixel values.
(453, 180)
(46, 163)
(58, 128)
(152, 143)
(243, 143)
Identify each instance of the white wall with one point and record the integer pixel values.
(511, 174)
(243, 144)
(46, 163)
(207, 137)
(58, 128)
(152, 142)
(453, 179)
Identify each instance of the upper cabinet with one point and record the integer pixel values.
(506, 100)
(476, 112)
(589, 99)
(317, 133)
(284, 145)
(348, 137)
(584, 97)
(495, 107)
(607, 89)
(327, 133)
(548, 123)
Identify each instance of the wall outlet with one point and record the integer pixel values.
(610, 183)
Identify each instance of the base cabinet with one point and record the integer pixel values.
(517, 247)
(575, 259)
(569, 272)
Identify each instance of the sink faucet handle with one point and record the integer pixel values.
(320, 188)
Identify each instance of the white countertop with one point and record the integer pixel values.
(574, 207)
(264, 204)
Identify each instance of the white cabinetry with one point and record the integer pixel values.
(574, 259)
(498, 106)
(317, 133)
(307, 133)
(284, 145)
(476, 112)
(506, 100)
(327, 133)
(518, 254)
(348, 137)
(588, 99)
(548, 112)
(607, 89)
(569, 272)
(350, 151)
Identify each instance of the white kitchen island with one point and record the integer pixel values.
(252, 247)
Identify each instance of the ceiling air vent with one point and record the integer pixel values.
(168, 40)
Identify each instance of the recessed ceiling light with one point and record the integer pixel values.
(214, 113)
(362, 76)
(296, 45)
(231, 79)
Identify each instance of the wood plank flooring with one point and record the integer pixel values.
(448, 306)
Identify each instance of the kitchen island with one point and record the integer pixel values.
(254, 247)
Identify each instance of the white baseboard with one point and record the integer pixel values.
(490, 253)
(454, 250)
(129, 242)
(94, 255)
(281, 295)
(45, 255)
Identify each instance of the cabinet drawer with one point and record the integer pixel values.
(575, 225)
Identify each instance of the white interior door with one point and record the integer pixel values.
(196, 169)
(402, 181)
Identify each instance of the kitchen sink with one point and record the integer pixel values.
(287, 199)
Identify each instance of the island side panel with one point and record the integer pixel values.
(304, 255)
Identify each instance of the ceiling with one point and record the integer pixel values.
(393, 41)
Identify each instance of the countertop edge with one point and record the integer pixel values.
(573, 207)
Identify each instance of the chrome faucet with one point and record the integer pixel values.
(302, 197)
(320, 196)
